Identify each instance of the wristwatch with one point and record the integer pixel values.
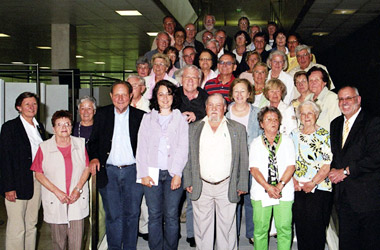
(345, 172)
(79, 190)
(283, 183)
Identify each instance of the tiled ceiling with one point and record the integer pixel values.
(103, 35)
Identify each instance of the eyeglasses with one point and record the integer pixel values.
(277, 62)
(159, 64)
(186, 56)
(350, 98)
(303, 55)
(228, 63)
(205, 59)
(65, 124)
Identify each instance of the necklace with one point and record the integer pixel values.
(259, 91)
(86, 140)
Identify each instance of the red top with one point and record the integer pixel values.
(66, 153)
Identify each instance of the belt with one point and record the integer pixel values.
(122, 166)
(215, 183)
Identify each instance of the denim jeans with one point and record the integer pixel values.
(121, 199)
(248, 209)
(163, 205)
(189, 217)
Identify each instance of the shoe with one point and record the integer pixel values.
(250, 241)
(191, 242)
(144, 236)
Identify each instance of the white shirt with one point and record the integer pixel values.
(215, 152)
(33, 134)
(289, 84)
(351, 121)
(289, 121)
(143, 104)
(258, 158)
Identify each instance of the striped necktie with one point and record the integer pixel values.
(346, 130)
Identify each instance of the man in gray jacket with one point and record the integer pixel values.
(216, 175)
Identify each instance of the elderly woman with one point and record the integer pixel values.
(277, 62)
(275, 92)
(260, 74)
(271, 162)
(313, 196)
(87, 110)
(207, 63)
(162, 153)
(160, 63)
(173, 55)
(252, 58)
(242, 39)
(61, 166)
(302, 86)
(19, 140)
(242, 110)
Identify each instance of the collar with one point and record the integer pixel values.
(25, 122)
(353, 118)
(124, 114)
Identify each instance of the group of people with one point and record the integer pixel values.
(266, 133)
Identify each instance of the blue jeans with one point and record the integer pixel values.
(246, 201)
(189, 217)
(121, 200)
(163, 206)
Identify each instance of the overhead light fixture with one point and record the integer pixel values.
(128, 70)
(78, 56)
(320, 33)
(99, 62)
(44, 67)
(17, 62)
(4, 35)
(344, 11)
(43, 47)
(152, 33)
(128, 12)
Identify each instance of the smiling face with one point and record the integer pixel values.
(159, 67)
(316, 84)
(303, 58)
(164, 98)
(120, 97)
(189, 55)
(28, 108)
(259, 43)
(274, 96)
(87, 111)
(226, 65)
(220, 36)
(207, 36)
(307, 116)
(252, 60)
(240, 40)
(253, 31)
(179, 38)
(209, 22)
(137, 87)
(62, 127)
(349, 101)
(281, 40)
(277, 63)
(292, 43)
(302, 84)
(190, 80)
(205, 61)
(259, 74)
(240, 93)
(191, 31)
(243, 24)
(169, 25)
(163, 41)
(215, 108)
(143, 70)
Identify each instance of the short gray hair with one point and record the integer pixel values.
(217, 94)
(255, 25)
(87, 98)
(302, 47)
(315, 107)
(193, 67)
(277, 53)
(213, 41)
(141, 79)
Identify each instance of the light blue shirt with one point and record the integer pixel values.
(121, 150)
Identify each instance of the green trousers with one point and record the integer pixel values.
(282, 214)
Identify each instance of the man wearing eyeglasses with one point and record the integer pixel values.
(326, 99)
(221, 84)
(355, 171)
(191, 31)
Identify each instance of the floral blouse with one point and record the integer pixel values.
(312, 152)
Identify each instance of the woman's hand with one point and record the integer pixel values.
(297, 186)
(274, 192)
(147, 181)
(308, 186)
(62, 197)
(11, 196)
(74, 196)
(176, 182)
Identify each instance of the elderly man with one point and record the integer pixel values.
(355, 169)
(213, 45)
(188, 56)
(292, 42)
(216, 175)
(221, 37)
(162, 40)
(138, 100)
(207, 36)
(209, 24)
(112, 150)
(304, 59)
(192, 104)
(142, 66)
(259, 40)
(169, 25)
(326, 99)
(191, 31)
(221, 84)
(253, 30)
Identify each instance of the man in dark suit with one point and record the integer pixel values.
(355, 169)
(112, 150)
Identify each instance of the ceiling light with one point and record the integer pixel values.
(152, 33)
(17, 62)
(344, 11)
(43, 47)
(128, 12)
(128, 70)
(4, 35)
(43, 67)
(78, 56)
(99, 62)
(320, 33)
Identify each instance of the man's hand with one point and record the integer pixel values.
(11, 196)
(176, 182)
(94, 165)
(189, 189)
(241, 192)
(190, 116)
(147, 181)
(336, 175)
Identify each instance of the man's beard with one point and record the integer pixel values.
(209, 26)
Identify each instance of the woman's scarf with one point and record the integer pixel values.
(273, 176)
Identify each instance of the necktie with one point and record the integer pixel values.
(346, 129)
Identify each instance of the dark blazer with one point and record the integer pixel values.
(239, 164)
(99, 145)
(361, 153)
(16, 159)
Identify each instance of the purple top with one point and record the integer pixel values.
(149, 138)
(82, 131)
